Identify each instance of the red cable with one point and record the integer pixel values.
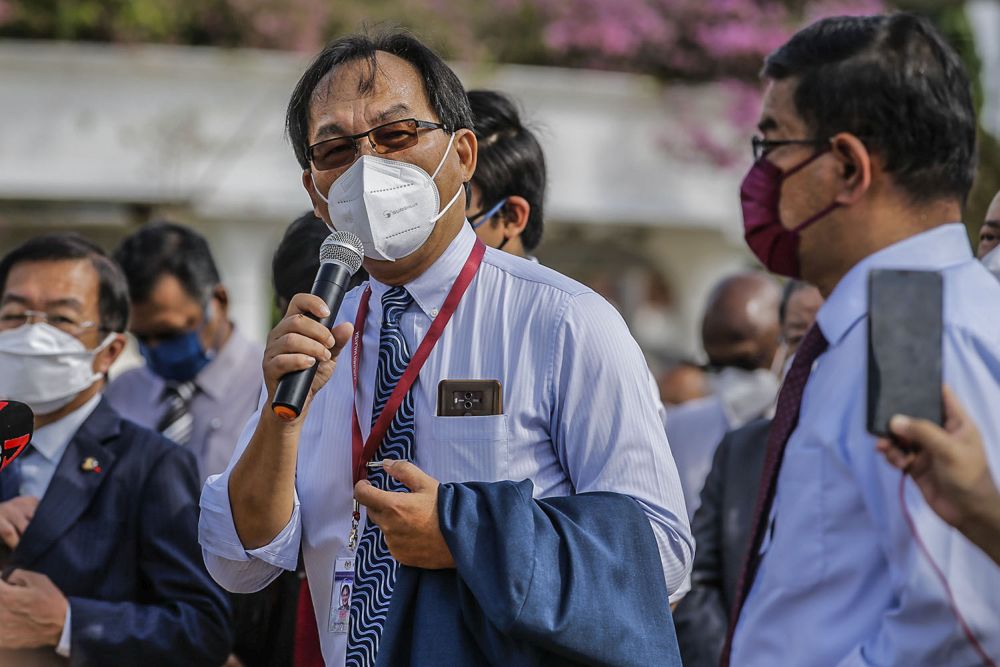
(940, 575)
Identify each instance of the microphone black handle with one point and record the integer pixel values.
(293, 388)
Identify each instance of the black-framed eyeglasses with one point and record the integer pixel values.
(762, 146)
(384, 139)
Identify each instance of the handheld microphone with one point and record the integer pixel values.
(17, 425)
(339, 258)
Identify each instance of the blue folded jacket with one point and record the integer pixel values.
(574, 580)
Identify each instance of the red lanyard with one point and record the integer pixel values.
(363, 451)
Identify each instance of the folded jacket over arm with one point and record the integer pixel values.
(574, 580)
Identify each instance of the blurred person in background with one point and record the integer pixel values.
(98, 518)
(741, 336)
(508, 187)
(989, 238)
(721, 524)
(865, 158)
(202, 377)
(369, 116)
(949, 467)
(684, 381)
(989, 232)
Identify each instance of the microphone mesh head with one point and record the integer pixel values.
(343, 248)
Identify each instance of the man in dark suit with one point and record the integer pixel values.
(721, 524)
(98, 521)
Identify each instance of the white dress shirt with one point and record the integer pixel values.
(579, 415)
(842, 581)
(38, 466)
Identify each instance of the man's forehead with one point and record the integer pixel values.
(778, 113)
(355, 92)
(66, 282)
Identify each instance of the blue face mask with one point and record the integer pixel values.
(177, 359)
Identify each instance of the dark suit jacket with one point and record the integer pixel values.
(122, 546)
(721, 529)
(552, 582)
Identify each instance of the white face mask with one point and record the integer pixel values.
(391, 205)
(45, 367)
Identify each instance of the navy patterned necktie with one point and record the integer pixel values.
(375, 568)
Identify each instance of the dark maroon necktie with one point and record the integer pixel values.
(786, 417)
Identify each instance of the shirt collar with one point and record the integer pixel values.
(934, 250)
(52, 439)
(216, 378)
(430, 289)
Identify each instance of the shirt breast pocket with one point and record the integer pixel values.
(467, 449)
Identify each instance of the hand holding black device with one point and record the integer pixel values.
(904, 347)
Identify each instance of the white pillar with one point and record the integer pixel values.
(243, 253)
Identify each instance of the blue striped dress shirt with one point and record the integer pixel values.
(579, 415)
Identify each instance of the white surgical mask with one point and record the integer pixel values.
(391, 205)
(45, 367)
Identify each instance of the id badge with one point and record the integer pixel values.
(340, 596)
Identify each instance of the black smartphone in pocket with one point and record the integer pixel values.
(904, 346)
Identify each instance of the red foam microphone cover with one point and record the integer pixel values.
(17, 423)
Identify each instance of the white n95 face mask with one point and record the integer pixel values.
(45, 367)
(391, 205)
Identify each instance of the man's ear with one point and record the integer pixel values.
(467, 147)
(855, 169)
(220, 294)
(106, 357)
(515, 215)
(319, 206)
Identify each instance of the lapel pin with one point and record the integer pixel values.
(90, 464)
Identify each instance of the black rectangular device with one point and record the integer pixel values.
(904, 346)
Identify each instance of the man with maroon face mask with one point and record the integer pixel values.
(865, 160)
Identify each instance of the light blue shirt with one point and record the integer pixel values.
(842, 581)
(38, 466)
(579, 415)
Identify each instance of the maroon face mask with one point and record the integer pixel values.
(774, 245)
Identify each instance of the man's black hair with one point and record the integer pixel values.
(897, 85)
(112, 298)
(510, 160)
(166, 248)
(444, 91)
